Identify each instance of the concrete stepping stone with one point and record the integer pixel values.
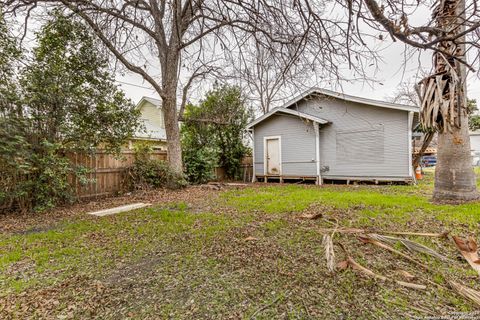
(128, 207)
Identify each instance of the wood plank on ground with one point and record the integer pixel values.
(128, 207)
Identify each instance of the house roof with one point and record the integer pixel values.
(155, 102)
(286, 111)
(346, 97)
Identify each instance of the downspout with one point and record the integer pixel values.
(410, 130)
(254, 177)
(316, 127)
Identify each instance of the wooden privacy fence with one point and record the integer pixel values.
(246, 170)
(106, 171)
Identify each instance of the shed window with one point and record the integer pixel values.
(365, 146)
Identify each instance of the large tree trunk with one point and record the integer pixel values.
(454, 175)
(173, 133)
(169, 105)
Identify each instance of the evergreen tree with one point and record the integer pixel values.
(70, 92)
(213, 134)
(68, 102)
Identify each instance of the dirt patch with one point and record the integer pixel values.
(41, 222)
(128, 274)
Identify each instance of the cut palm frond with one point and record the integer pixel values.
(412, 246)
(350, 262)
(329, 252)
(468, 249)
(466, 292)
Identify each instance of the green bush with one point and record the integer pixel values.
(213, 134)
(147, 173)
(51, 184)
(199, 164)
(37, 180)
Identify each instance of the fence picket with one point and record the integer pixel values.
(105, 170)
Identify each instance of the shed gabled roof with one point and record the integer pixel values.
(286, 111)
(346, 97)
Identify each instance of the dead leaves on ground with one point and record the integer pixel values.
(74, 297)
(467, 247)
(35, 223)
(386, 240)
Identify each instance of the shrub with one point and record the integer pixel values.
(199, 164)
(147, 173)
(51, 183)
(213, 134)
(36, 180)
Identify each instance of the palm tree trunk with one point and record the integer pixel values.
(454, 175)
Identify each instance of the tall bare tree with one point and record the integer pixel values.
(263, 77)
(166, 40)
(405, 94)
(269, 80)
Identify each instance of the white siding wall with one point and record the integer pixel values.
(298, 144)
(361, 141)
(475, 142)
(153, 115)
(153, 121)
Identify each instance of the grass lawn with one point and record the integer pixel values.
(240, 253)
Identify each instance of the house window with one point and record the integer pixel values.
(362, 146)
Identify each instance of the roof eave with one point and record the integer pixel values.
(146, 99)
(350, 98)
(287, 111)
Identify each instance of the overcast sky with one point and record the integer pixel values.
(391, 72)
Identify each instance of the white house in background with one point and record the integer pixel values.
(152, 118)
(475, 146)
(475, 141)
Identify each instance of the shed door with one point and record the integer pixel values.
(273, 156)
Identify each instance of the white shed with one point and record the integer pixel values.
(325, 135)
